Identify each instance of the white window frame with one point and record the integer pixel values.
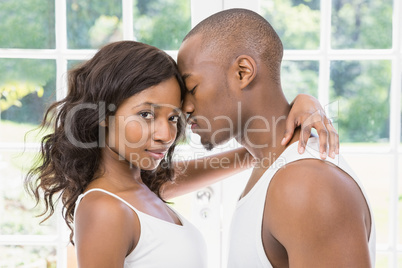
(199, 10)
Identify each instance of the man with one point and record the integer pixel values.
(296, 210)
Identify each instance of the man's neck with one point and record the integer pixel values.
(263, 135)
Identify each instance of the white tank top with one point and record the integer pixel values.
(163, 244)
(246, 248)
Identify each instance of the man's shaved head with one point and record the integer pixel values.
(230, 33)
(229, 59)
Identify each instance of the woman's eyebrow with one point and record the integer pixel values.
(143, 104)
(158, 106)
(178, 110)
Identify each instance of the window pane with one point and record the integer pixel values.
(18, 215)
(73, 63)
(93, 23)
(363, 24)
(27, 86)
(362, 90)
(28, 256)
(297, 22)
(382, 260)
(27, 24)
(161, 23)
(376, 184)
(299, 77)
(399, 260)
(400, 201)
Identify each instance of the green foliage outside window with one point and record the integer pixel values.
(361, 24)
(92, 23)
(28, 86)
(162, 23)
(361, 88)
(27, 24)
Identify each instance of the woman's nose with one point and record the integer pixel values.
(164, 131)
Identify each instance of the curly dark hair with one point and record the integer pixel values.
(117, 71)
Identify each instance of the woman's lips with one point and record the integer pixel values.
(193, 123)
(194, 126)
(157, 154)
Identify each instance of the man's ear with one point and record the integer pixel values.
(246, 70)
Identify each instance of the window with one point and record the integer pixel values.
(346, 53)
(359, 56)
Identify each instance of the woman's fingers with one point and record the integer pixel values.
(333, 139)
(307, 112)
(291, 124)
(328, 136)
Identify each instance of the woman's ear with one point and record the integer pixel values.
(246, 70)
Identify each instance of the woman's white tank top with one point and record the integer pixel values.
(246, 248)
(161, 243)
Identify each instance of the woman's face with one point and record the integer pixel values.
(145, 125)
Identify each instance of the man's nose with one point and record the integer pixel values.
(188, 105)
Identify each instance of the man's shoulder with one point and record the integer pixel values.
(312, 184)
(310, 172)
(311, 202)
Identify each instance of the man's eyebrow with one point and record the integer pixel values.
(185, 76)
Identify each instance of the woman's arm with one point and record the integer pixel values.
(198, 173)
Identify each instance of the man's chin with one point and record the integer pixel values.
(208, 146)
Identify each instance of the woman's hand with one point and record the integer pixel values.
(308, 113)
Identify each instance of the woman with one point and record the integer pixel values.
(110, 155)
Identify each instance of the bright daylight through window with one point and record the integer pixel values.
(346, 53)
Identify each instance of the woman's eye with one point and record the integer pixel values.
(174, 118)
(146, 115)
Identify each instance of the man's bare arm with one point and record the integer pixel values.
(319, 215)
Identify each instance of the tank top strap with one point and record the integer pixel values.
(289, 155)
(106, 192)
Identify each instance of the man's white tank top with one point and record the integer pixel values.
(246, 248)
(163, 244)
